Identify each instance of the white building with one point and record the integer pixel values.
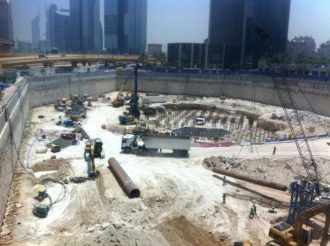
(324, 50)
(301, 46)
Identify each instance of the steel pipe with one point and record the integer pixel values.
(124, 180)
(272, 185)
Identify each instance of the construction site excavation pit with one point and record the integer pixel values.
(177, 201)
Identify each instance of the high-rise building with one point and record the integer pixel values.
(301, 46)
(243, 31)
(186, 55)
(58, 29)
(35, 30)
(125, 26)
(23, 47)
(6, 31)
(86, 34)
(154, 49)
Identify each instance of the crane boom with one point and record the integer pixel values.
(117, 102)
(294, 119)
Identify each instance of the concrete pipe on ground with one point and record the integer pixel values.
(252, 180)
(124, 180)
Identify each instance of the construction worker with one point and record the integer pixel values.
(274, 150)
(254, 207)
(224, 180)
(224, 198)
(251, 215)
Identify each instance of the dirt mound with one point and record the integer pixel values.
(271, 125)
(179, 231)
(273, 169)
(62, 166)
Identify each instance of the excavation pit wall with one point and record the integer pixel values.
(250, 87)
(37, 91)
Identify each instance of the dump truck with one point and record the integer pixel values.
(152, 144)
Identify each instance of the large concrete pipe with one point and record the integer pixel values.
(252, 180)
(125, 181)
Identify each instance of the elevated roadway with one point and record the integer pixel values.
(50, 60)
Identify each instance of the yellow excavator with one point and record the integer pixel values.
(93, 149)
(120, 99)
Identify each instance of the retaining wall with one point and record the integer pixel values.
(12, 124)
(247, 87)
(45, 90)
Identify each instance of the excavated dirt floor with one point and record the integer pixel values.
(181, 199)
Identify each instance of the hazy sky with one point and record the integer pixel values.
(186, 20)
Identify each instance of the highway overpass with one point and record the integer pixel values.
(50, 60)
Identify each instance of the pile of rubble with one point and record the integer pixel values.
(223, 162)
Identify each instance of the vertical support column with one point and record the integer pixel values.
(180, 54)
(1, 71)
(192, 55)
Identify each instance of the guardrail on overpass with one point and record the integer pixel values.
(52, 59)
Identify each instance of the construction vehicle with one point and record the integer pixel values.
(133, 111)
(151, 144)
(308, 197)
(119, 101)
(60, 104)
(75, 108)
(93, 149)
(55, 148)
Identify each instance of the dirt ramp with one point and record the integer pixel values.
(179, 231)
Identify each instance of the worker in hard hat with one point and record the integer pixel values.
(224, 198)
(251, 215)
(254, 209)
(274, 150)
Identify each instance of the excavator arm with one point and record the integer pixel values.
(117, 101)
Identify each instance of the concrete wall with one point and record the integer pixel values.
(248, 87)
(45, 90)
(12, 125)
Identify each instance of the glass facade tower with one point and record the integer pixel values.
(235, 28)
(125, 26)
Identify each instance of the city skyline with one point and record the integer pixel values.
(162, 30)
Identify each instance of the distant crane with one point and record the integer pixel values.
(133, 111)
(118, 102)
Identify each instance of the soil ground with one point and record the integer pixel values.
(181, 200)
